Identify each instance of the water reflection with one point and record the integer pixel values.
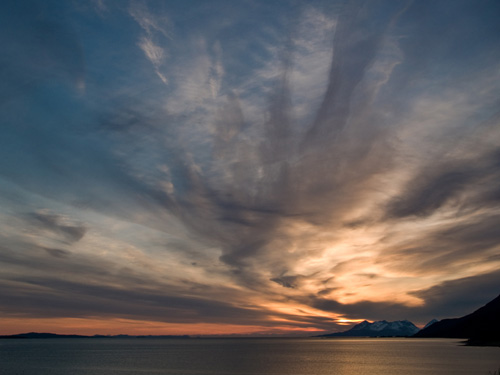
(246, 356)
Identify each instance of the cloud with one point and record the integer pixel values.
(150, 22)
(465, 182)
(57, 224)
(92, 292)
(154, 26)
(260, 190)
(429, 195)
(461, 296)
(287, 281)
(88, 300)
(58, 253)
(302, 165)
(154, 53)
(449, 299)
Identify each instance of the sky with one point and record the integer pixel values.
(247, 167)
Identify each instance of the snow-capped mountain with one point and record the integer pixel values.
(400, 328)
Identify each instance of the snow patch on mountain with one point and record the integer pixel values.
(400, 328)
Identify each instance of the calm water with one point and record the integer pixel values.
(245, 356)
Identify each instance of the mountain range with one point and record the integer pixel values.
(382, 328)
(482, 327)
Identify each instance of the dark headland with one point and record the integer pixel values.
(482, 327)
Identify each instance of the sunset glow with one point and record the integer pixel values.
(249, 167)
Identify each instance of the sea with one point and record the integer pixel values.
(246, 356)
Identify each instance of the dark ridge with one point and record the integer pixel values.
(482, 327)
(36, 335)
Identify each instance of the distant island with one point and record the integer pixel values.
(36, 335)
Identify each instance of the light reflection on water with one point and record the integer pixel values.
(245, 357)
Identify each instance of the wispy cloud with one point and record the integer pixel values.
(155, 27)
(154, 53)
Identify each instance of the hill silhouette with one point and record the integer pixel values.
(38, 335)
(481, 326)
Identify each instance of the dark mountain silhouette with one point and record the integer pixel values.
(37, 335)
(483, 325)
(382, 328)
(431, 323)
